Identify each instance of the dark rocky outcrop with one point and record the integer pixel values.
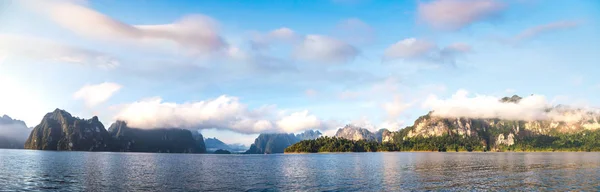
(277, 142)
(61, 131)
(272, 143)
(13, 133)
(221, 151)
(129, 139)
(494, 133)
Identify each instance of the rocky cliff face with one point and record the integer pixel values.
(129, 139)
(352, 132)
(61, 131)
(384, 136)
(309, 134)
(272, 143)
(498, 132)
(13, 133)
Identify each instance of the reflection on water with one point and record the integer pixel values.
(85, 171)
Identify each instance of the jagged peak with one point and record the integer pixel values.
(120, 122)
(58, 113)
(512, 99)
(352, 126)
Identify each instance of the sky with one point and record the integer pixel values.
(235, 69)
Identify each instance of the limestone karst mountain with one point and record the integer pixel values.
(355, 133)
(59, 130)
(164, 140)
(277, 142)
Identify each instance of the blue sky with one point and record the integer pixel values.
(239, 68)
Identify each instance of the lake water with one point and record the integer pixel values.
(95, 171)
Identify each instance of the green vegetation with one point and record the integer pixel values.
(583, 141)
(334, 144)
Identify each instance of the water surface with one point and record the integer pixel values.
(93, 171)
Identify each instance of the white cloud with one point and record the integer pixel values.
(392, 125)
(318, 48)
(94, 95)
(355, 31)
(364, 122)
(395, 108)
(545, 28)
(532, 107)
(456, 14)
(417, 49)
(281, 35)
(224, 112)
(312, 48)
(196, 33)
(410, 48)
(299, 121)
(44, 49)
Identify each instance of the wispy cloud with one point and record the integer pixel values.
(48, 50)
(539, 30)
(417, 49)
(196, 33)
(456, 14)
(93, 95)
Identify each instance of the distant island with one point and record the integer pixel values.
(442, 134)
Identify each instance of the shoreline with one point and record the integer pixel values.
(447, 152)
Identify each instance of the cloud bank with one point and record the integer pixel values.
(224, 112)
(533, 107)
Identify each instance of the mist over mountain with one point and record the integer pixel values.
(214, 144)
(13, 133)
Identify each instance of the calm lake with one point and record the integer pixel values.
(99, 171)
